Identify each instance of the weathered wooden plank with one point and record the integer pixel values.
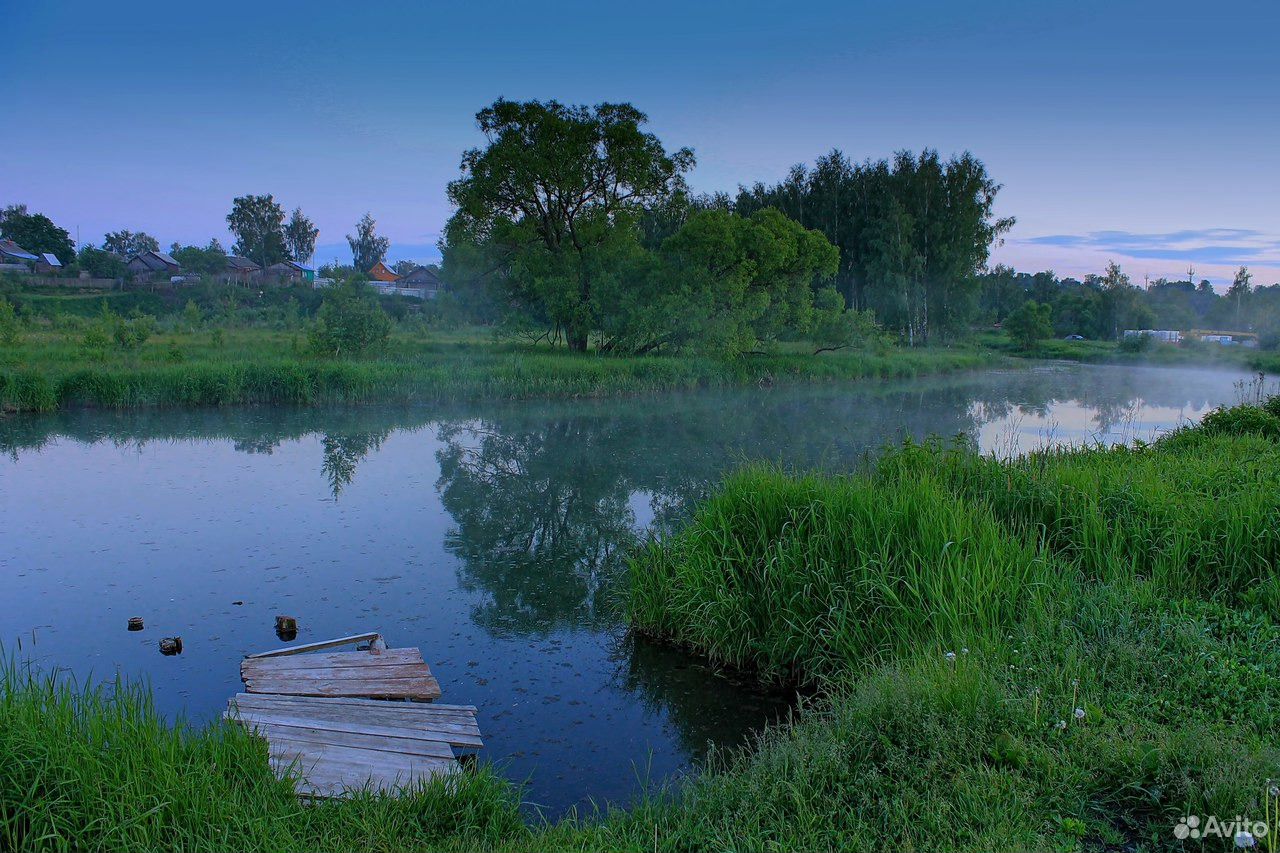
(375, 760)
(340, 673)
(332, 659)
(371, 738)
(466, 736)
(327, 778)
(424, 688)
(357, 716)
(432, 708)
(317, 646)
(338, 706)
(439, 733)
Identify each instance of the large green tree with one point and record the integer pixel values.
(544, 199)
(367, 247)
(129, 243)
(300, 236)
(36, 233)
(257, 221)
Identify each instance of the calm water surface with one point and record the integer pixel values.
(487, 534)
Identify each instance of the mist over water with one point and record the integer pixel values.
(491, 535)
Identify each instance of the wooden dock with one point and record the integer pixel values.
(331, 718)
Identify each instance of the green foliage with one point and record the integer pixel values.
(36, 233)
(1029, 324)
(125, 244)
(211, 260)
(538, 204)
(367, 248)
(192, 318)
(257, 221)
(300, 236)
(100, 263)
(736, 282)
(10, 325)
(912, 233)
(350, 321)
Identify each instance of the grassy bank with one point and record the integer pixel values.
(47, 371)
(1068, 651)
(1109, 352)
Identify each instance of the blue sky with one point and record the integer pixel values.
(1144, 132)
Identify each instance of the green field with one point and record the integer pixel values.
(1067, 651)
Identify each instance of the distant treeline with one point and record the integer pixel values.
(1103, 306)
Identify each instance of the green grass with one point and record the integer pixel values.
(47, 371)
(1066, 651)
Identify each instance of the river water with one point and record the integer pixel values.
(488, 534)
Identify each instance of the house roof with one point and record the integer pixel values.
(13, 250)
(380, 272)
(291, 264)
(238, 263)
(51, 259)
(156, 261)
(422, 275)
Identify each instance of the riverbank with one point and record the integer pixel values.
(47, 371)
(1156, 355)
(976, 606)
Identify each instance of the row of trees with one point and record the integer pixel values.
(578, 224)
(913, 233)
(1102, 306)
(261, 229)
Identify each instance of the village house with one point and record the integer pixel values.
(291, 271)
(48, 263)
(241, 269)
(150, 265)
(381, 272)
(424, 280)
(14, 257)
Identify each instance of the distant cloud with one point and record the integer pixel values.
(1232, 246)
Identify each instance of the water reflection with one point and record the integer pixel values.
(489, 534)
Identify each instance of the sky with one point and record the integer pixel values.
(1145, 133)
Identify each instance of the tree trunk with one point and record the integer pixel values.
(577, 339)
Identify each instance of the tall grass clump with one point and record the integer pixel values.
(1197, 512)
(797, 577)
(97, 768)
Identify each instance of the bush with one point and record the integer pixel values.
(349, 322)
(1029, 324)
(10, 327)
(1136, 343)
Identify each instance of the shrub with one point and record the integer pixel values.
(10, 327)
(349, 322)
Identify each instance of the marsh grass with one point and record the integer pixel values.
(247, 366)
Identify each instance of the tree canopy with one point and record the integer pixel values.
(913, 232)
(126, 244)
(300, 236)
(257, 221)
(367, 248)
(544, 201)
(36, 233)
